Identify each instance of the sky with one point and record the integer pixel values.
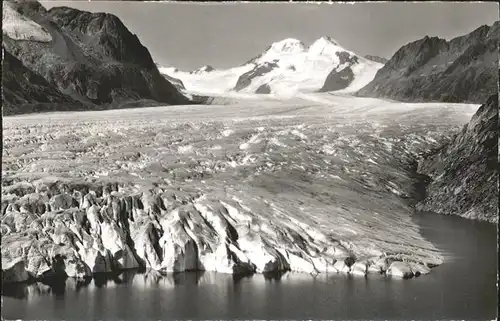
(189, 35)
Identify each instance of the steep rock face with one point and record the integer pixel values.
(24, 91)
(341, 77)
(175, 81)
(463, 69)
(264, 89)
(90, 56)
(104, 33)
(465, 170)
(337, 80)
(259, 70)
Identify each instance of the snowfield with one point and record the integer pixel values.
(213, 82)
(313, 184)
(288, 67)
(18, 27)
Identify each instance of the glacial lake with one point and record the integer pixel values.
(464, 288)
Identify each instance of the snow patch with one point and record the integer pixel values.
(19, 27)
(185, 149)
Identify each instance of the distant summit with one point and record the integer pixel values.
(287, 45)
(289, 66)
(286, 67)
(206, 68)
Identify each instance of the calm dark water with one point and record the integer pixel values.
(462, 288)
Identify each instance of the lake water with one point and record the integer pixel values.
(464, 287)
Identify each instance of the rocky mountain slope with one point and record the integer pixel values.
(463, 69)
(464, 171)
(286, 67)
(25, 91)
(89, 57)
(377, 59)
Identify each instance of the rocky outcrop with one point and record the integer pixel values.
(24, 91)
(337, 80)
(340, 78)
(91, 57)
(264, 89)
(203, 69)
(464, 171)
(377, 59)
(259, 70)
(463, 69)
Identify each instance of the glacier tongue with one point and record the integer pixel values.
(317, 188)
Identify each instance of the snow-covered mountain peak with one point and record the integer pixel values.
(325, 46)
(289, 45)
(290, 67)
(328, 40)
(206, 68)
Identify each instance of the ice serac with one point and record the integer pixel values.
(464, 69)
(90, 57)
(400, 269)
(14, 271)
(464, 171)
(169, 231)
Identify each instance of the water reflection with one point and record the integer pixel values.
(56, 287)
(450, 291)
(145, 278)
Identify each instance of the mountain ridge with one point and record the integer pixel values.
(463, 69)
(286, 67)
(322, 66)
(89, 57)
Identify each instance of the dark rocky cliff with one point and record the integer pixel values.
(340, 79)
(91, 57)
(259, 69)
(463, 69)
(464, 172)
(25, 91)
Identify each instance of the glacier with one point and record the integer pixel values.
(315, 184)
